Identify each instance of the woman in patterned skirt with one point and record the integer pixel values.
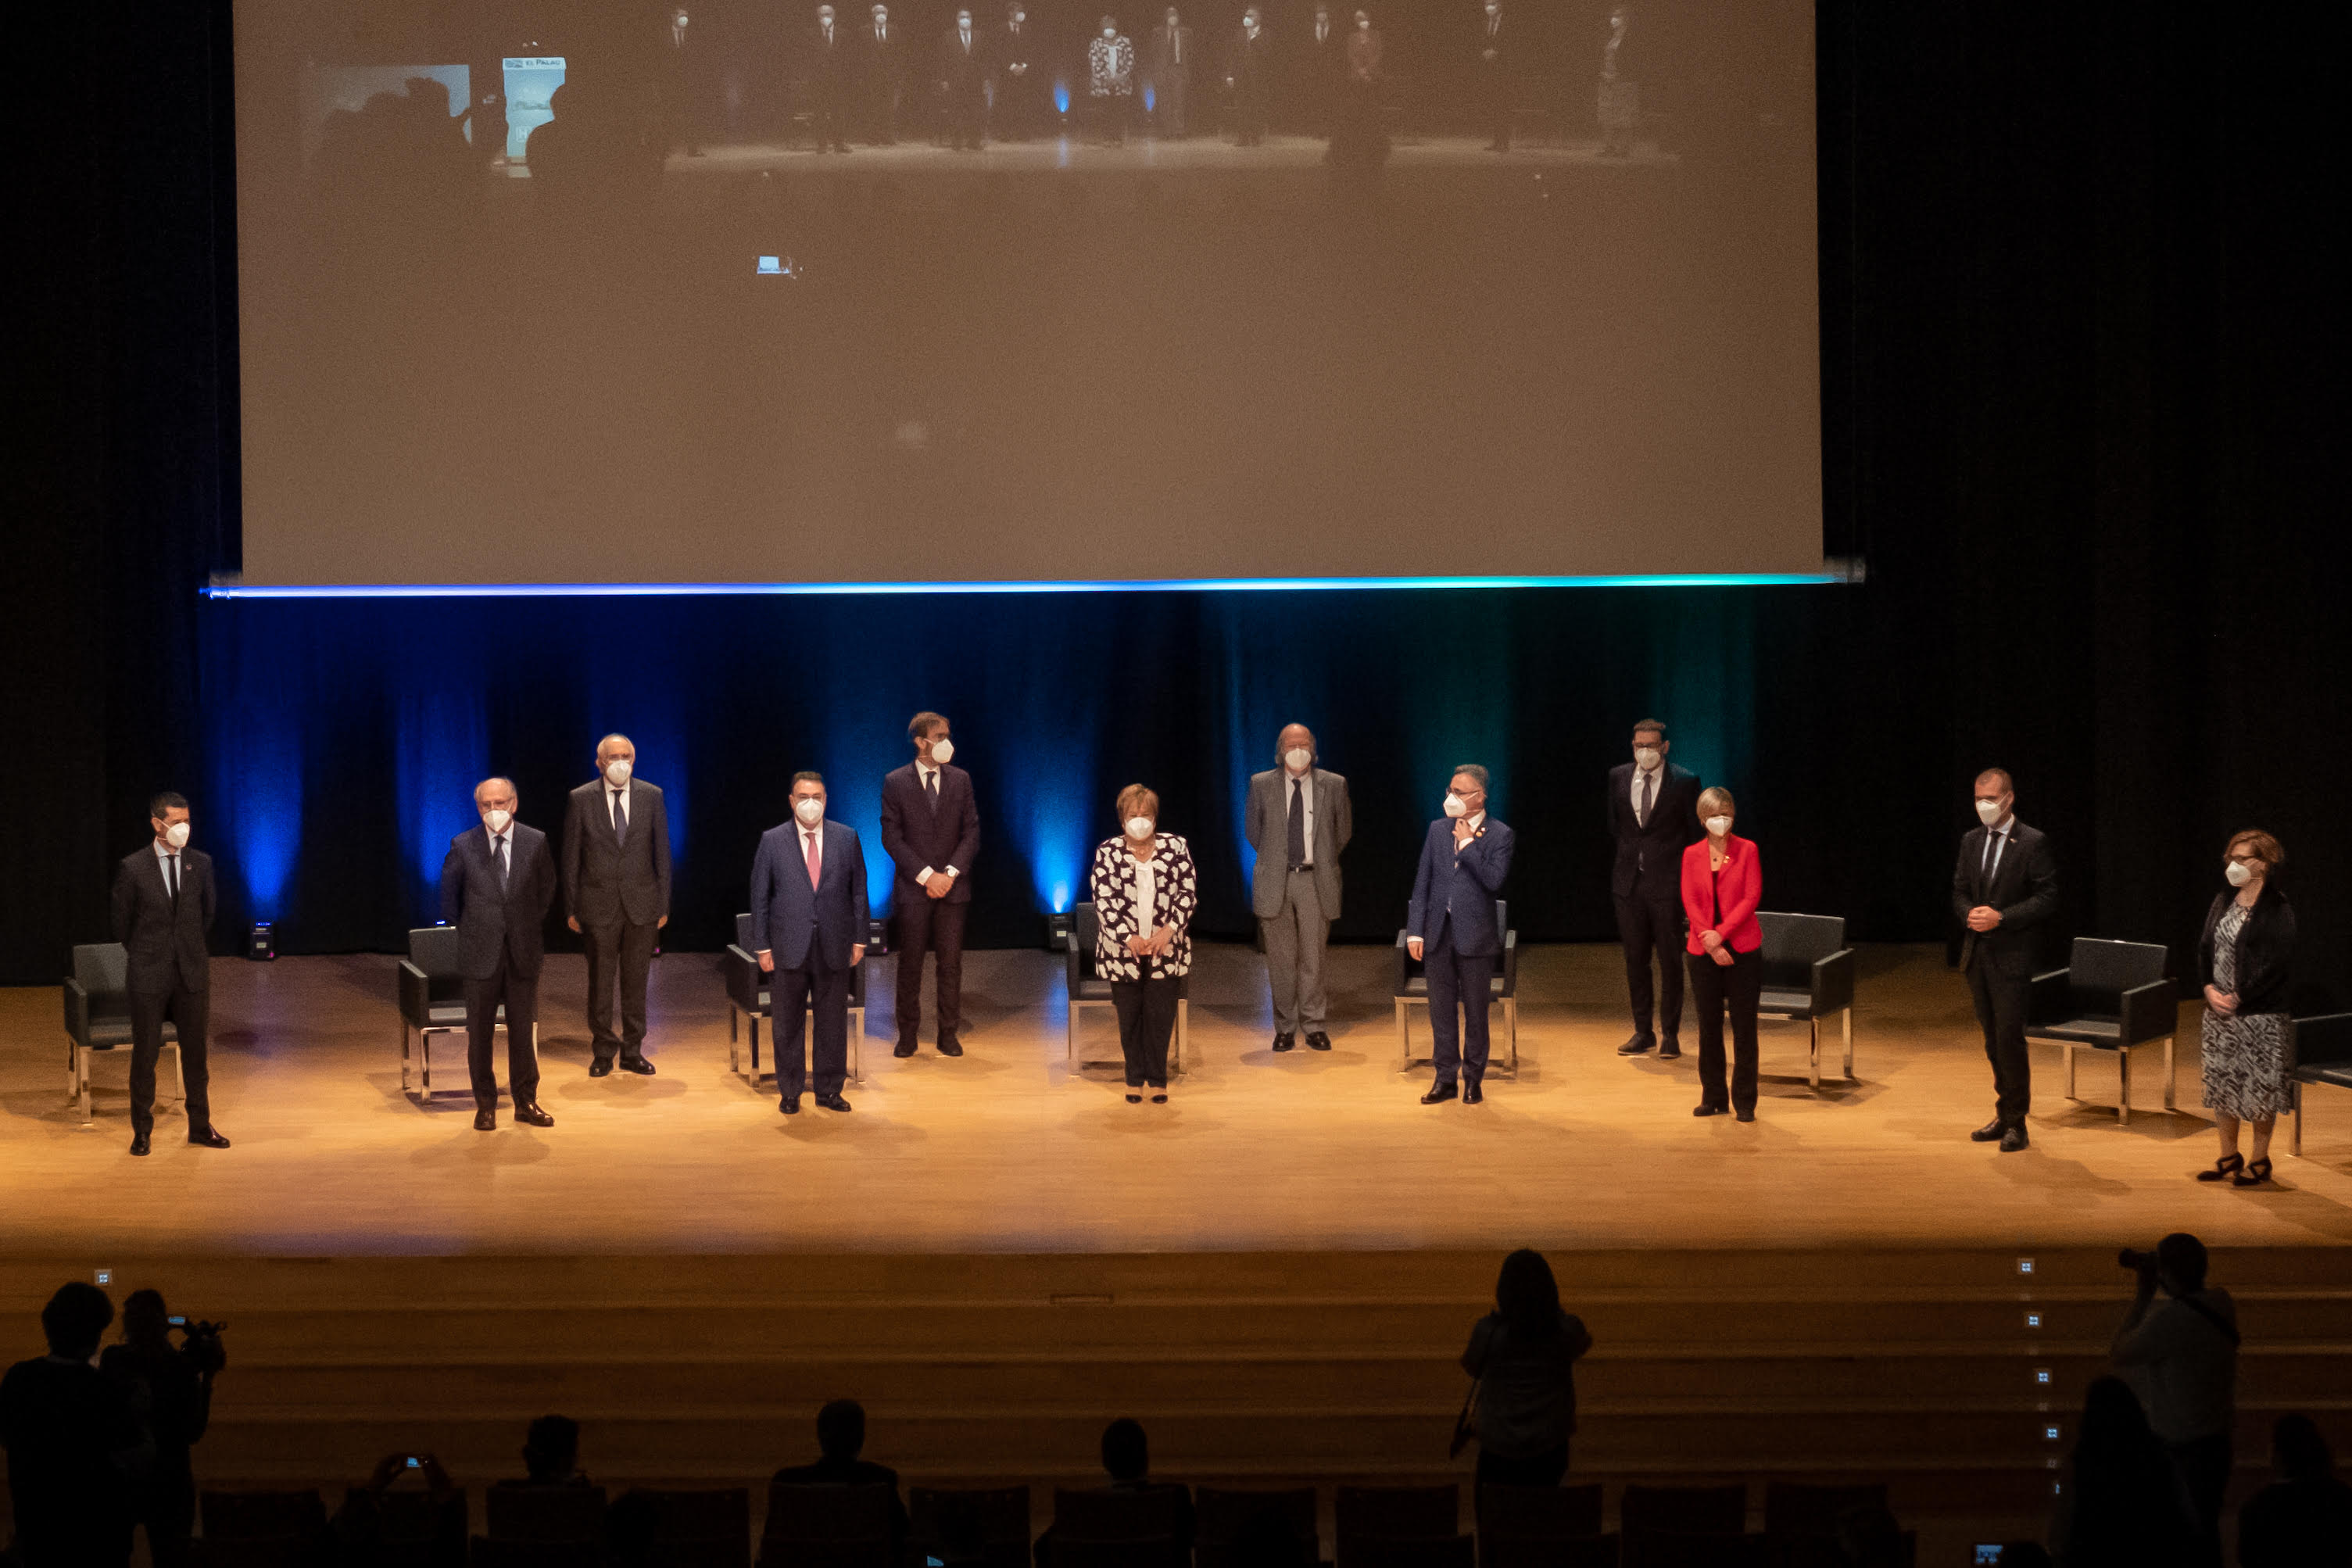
(2245, 955)
(1144, 892)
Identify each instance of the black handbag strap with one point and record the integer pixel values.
(2228, 1330)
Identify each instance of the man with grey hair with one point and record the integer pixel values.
(616, 896)
(496, 886)
(1298, 821)
(1450, 928)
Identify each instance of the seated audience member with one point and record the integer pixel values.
(2120, 1501)
(2303, 1518)
(840, 1439)
(551, 1454)
(75, 1445)
(1127, 1459)
(359, 1534)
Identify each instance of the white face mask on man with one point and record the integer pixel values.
(1139, 828)
(810, 810)
(942, 751)
(497, 819)
(1456, 807)
(1647, 758)
(1989, 812)
(617, 770)
(1297, 759)
(176, 836)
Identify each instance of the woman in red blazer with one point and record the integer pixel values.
(1722, 884)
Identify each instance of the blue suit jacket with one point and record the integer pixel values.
(790, 918)
(1468, 882)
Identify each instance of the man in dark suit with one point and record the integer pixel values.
(1653, 816)
(964, 80)
(1495, 85)
(1319, 73)
(496, 883)
(829, 75)
(1450, 927)
(809, 923)
(616, 896)
(931, 830)
(840, 1439)
(885, 76)
(2005, 886)
(162, 906)
(1248, 66)
(681, 85)
(1297, 821)
(1020, 89)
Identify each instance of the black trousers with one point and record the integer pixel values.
(2001, 1002)
(1544, 1469)
(927, 924)
(520, 995)
(2203, 1465)
(792, 994)
(189, 1011)
(1649, 924)
(167, 1506)
(827, 119)
(1146, 1017)
(624, 952)
(1457, 980)
(1713, 987)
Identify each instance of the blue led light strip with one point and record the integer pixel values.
(228, 590)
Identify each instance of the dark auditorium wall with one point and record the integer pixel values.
(2084, 349)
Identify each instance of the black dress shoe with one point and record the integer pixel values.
(1635, 1047)
(533, 1115)
(1989, 1132)
(1317, 1040)
(485, 1121)
(637, 1065)
(207, 1139)
(1706, 1108)
(832, 1102)
(1283, 1040)
(600, 1067)
(903, 1049)
(1669, 1048)
(1747, 1115)
(1440, 1094)
(139, 1144)
(949, 1045)
(1471, 1094)
(790, 1105)
(2014, 1139)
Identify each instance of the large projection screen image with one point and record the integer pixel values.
(744, 293)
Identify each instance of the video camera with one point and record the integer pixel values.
(201, 1343)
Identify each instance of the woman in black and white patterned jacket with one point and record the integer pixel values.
(1144, 894)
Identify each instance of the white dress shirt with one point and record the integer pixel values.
(1996, 841)
(1659, 774)
(1303, 783)
(928, 775)
(1146, 891)
(617, 805)
(164, 858)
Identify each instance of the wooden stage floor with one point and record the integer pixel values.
(1008, 1151)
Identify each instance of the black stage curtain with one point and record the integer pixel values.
(2084, 350)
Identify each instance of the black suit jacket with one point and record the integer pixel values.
(166, 946)
(491, 919)
(915, 835)
(2024, 888)
(2265, 958)
(605, 877)
(831, 65)
(1655, 851)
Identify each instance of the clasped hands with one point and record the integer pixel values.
(2225, 1002)
(1983, 918)
(1713, 942)
(857, 957)
(1156, 945)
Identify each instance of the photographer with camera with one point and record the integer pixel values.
(73, 1446)
(170, 1388)
(2178, 1347)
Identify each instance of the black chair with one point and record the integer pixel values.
(1792, 1508)
(2318, 1051)
(267, 1551)
(683, 1528)
(1685, 1511)
(514, 1510)
(2111, 996)
(263, 1515)
(432, 1002)
(995, 1519)
(1412, 988)
(1408, 1552)
(488, 1552)
(1692, 1549)
(1227, 1516)
(1099, 1514)
(1562, 1551)
(829, 1527)
(1085, 988)
(1539, 1514)
(1158, 1552)
(97, 1016)
(415, 1532)
(747, 1000)
(1808, 975)
(1363, 1515)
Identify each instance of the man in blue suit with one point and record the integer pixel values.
(1451, 929)
(809, 921)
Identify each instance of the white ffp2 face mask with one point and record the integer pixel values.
(617, 770)
(176, 836)
(1139, 828)
(1645, 757)
(810, 810)
(2237, 871)
(1297, 759)
(1989, 812)
(1456, 807)
(1719, 826)
(943, 751)
(498, 820)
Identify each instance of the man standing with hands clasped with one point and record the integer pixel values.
(809, 925)
(163, 903)
(1451, 927)
(931, 830)
(1653, 817)
(1297, 821)
(2005, 885)
(496, 886)
(616, 895)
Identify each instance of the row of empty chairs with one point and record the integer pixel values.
(855, 1527)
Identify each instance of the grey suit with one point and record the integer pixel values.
(1295, 904)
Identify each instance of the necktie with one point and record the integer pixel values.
(1176, 45)
(172, 877)
(1297, 824)
(1649, 789)
(499, 853)
(621, 815)
(931, 783)
(815, 858)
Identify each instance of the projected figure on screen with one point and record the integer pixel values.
(885, 80)
(1316, 75)
(1494, 84)
(1110, 80)
(1247, 68)
(1015, 84)
(1358, 140)
(963, 82)
(828, 83)
(681, 55)
(1619, 103)
(1170, 74)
